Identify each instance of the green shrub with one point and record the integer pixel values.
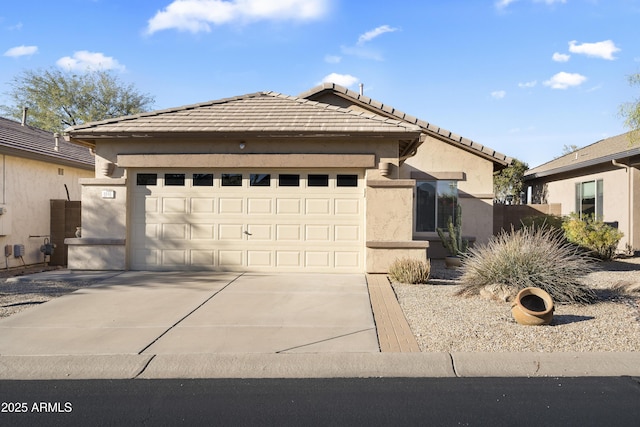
(539, 221)
(514, 260)
(409, 270)
(593, 235)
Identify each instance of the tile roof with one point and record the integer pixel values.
(603, 151)
(28, 141)
(426, 127)
(259, 112)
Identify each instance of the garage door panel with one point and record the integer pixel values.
(231, 258)
(347, 233)
(203, 205)
(267, 228)
(346, 259)
(288, 258)
(259, 206)
(347, 207)
(259, 258)
(174, 231)
(203, 231)
(203, 258)
(288, 206)
(318, 259)
(174, 257)
(231, 232)
(260, 231)
(174, 205)
(151, 205)
(231, 205)
(288, 232)
(317, 232)
(318, 206)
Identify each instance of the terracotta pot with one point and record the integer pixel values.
(533, 306)
(452, 261)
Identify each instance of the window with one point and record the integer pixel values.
(231, 179)
(589, 196)
(435, 203)
(260, 180)
(147, 179)
(314, 180)
(288, 180)
(203, 180)
(347, 180)
(174, 179)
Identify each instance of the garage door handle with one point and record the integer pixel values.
(247, 233)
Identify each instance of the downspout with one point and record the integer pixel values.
(629, 199)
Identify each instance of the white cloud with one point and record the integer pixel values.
(560, 57)
(197, 15)
(564, 80)
(345, 80)
(532, 83)
(550, 1)
(498, 94)
(21, 51)
(372, 34)
(332, 59)
(501, 4)
(84, 60)
(604, 49)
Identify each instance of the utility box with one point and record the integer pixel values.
(18, 251)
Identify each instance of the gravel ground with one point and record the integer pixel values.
(16, 297)
(444, 322)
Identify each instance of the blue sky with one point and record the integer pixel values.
(524, 77)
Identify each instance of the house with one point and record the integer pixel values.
(329, 181)
(36, 168)
(602, 179)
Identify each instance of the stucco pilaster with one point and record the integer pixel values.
(104, 226)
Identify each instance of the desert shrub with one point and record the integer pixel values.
(593, 235)
(514, 260)
(539, 221)
(410, 270)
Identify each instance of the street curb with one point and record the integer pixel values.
(569, 364)
(319, 365)
(326, 365)
(72, 367)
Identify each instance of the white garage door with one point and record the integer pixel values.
(249, 220)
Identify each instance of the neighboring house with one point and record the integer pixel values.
(602, 179)
(36, 167)
(270, 182)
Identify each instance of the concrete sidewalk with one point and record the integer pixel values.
(230, 325)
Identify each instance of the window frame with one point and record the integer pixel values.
(598, 199)
(436, 217)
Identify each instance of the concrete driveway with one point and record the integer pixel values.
(149, 313)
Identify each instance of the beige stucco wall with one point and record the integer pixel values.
(27, 186)
(615, 198)
(475, 190)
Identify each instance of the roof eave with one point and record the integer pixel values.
(500, 161)
(581, 165)
(86, 138)
(44, 158)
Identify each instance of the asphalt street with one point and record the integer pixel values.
(584, 401)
